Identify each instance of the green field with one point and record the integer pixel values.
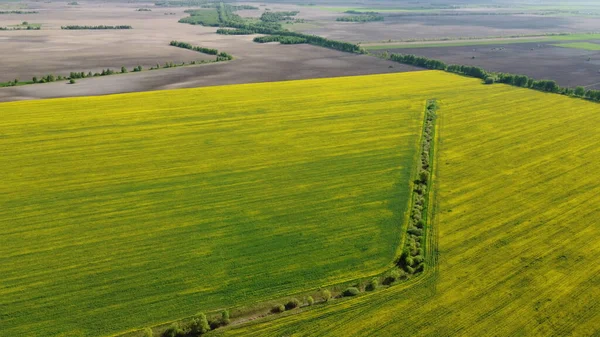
(475, 42)
(125, 211)
(580, 45)
(518, 232)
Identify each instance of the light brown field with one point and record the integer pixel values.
(52, 50)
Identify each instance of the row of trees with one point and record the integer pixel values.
(18, 12)
(186, 45)
(360, 18)
(96, 27)
(522, 81)
(246, 28)
(198, 326)
(352, 11)
(28, 27)
(280, 39)
(412, 259)
(221, 56)
(277, 16)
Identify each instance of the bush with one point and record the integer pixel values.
(173, 331)
(392, 277)
(326, 295)
(291, 304)
(279, 308)
(72, 81)
(225, 317)
(199, 325)
(372, 285)
(351, 291)
(148, 332)
(310, 301)
(489, 80)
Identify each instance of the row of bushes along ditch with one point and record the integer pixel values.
(412, 260)
(410, 263)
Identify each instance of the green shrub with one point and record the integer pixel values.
(489, 80)
(279, 308)
(310, 301)
(326, 295)
(225, 317)
(173, 331)
(72, 81)
(392, 277)
(199, 325)
(351, 291)
(148, 332)
(292, 303)
(372, 285)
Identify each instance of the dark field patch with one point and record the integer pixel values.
(567, 66)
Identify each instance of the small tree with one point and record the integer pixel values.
(35, 80)
(292, 303)
(173, 331)
(225, 317)
(279, 308)
(148, 332)
(580, 91)
(326, 295)
(199, 325)
(424, 177)
(351, 291)
(123, 70)
(310, 301)
(489, 80)
(72, 81)
(372, 285)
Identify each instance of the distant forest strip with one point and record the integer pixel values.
(224, 17)
(75, 27)
(522, 81)
(360, 18)
(352, 11)
(18, 12)
(221, 56)
(21, 28)
(280, 39)
(277, 16)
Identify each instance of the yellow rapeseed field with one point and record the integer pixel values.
(517, 221)
(125, 211)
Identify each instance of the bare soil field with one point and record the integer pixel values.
(52, 50)
(320, 20)
(567, 66)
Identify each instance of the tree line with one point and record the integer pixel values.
(277, 16)
(186, 45)
(412, 259)
(28, 27)
(18, 12)
(280, 39)
(360, 18)
(221, 56)
(522, 81)
(96, 27)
